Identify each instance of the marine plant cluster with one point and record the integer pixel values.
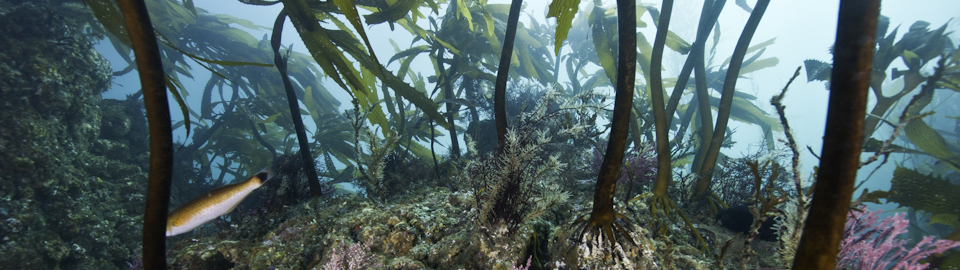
(527, 144)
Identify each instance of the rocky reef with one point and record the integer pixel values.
(432, 229)
(73, 165)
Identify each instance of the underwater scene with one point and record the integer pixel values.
(479, 134)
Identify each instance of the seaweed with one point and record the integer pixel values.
(608, 227)
(910, 188)
(161, 138)
(843, 136)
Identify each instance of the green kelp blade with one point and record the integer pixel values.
(271, 118)
(464, 12)
(211, 61)
(524, 57)
(396, 12)
(409, 52)
(601, 41)
(419, 150)
(172, 86)
(409, 93)
(946, 219)
(751, 49)
(308, 101)
(872, 145)
(428, 36)
(931, 142)
(564, 11)
(817, 70)
(322, 49)
(676, 43)
(747, 112)
(910, 188)
(488, 28)
(343, 176)
(245, 23)
(349, 10)
(760, 64)
(109, 16)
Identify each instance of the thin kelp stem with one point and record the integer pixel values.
(446, 83)
(698, 57)
(708, 18)
(726, 98)
(842, 141)
(306, 155)
(503, 72)
(664, 172)
(150, 67)
(660, 202)
(697, 60)
(703, 106)
(433, 153)
(256, 135)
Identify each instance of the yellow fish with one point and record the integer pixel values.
(213, 204)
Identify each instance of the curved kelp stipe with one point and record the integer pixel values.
(150, 67)
(305, 154)
(213, 204)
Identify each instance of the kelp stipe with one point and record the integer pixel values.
(611, 229)
(309, 166)
(161, 137)
(853, 55)
(503, 72)
(726, 99)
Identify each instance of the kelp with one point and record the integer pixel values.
(564, 11)
(853, 55)
(726, 99)
(202, 38)
(500, 87)
(922, 135)
(910, 188)
(326, 46)
(708, 18)
(468, 33)
(603, 221)
(306, 156)
(237, 60)
(660, 202)
(143, 41)
(917, 48)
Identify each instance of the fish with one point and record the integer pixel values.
(213, 204)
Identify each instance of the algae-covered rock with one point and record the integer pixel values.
(61, 206)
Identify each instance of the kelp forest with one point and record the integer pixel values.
(475, 134)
